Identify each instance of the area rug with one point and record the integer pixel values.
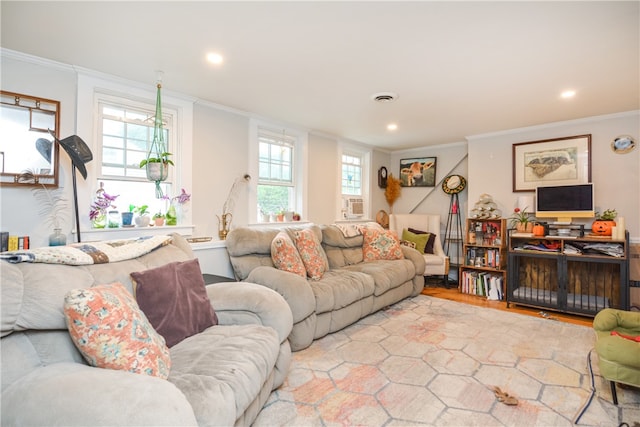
(428, 361)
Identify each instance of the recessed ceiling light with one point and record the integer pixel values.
(568, 94)
(392, 126)
(384, 96)
(215, 58)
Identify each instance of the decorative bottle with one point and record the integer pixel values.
(171, 218)
(57, 238)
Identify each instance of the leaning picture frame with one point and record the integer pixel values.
(558, 161)
(418, 172)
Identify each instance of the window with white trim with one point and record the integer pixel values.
(276, 167)
(125, 132)
(354, 161)
(351, 175)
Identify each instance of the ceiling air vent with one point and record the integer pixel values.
(384, 96)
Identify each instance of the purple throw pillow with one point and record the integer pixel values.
(428, 249)
(175, 300)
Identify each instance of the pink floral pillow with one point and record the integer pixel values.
(313, 256)
(380, 245)
(285, 256)
(110, 330)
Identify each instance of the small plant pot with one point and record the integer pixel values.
(142, 221)
(157, 171)
(127, 218)
(158, 221)
(524, 228)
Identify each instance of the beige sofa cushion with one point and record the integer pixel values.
(221, 384)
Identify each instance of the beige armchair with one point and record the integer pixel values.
(438, 262)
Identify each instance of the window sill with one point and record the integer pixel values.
(97, 234)
(278, 224)
(354, 220)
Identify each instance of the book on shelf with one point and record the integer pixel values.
(4, 241)
(484, 284)
(13, 243)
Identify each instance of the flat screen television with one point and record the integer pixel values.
(565, 202)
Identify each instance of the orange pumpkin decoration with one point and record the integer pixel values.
(538, 230)
(602, 227)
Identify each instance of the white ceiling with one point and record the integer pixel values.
(459, 68)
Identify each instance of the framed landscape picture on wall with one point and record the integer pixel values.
(560, 161)
(418, 172)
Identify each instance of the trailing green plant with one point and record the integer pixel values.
(607, 215)
(140, 210)
(163, 158)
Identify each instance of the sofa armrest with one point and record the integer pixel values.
(71, 394)
(295, 289)
(244, 303)
(609, 319)
(416, 258)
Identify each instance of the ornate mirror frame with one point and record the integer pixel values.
(25, 142)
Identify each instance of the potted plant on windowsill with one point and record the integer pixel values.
(142, 219)
(158, 219)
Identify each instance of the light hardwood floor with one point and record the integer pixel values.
(453, 294)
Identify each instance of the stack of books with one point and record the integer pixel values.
(13, 243)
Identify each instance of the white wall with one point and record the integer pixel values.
(220, 155)
(615, 176)
(450, 159)
(323, 168)
(19, 213)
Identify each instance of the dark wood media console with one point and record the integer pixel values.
(579, 275)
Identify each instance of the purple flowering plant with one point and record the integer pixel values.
(181, 198)
(101, 203)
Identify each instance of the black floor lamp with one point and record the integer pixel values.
(80, 155)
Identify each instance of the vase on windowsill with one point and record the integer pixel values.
(99, 221)
(57, 238)
(171, 217)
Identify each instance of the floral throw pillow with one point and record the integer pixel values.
(110, 330)
(381, 245)
(285, 256)
(313, 256)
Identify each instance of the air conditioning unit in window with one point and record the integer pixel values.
(355, 208)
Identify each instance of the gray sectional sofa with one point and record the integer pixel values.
(349, 291)
(220, 376)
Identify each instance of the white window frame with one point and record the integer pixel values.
(94, 87)
(171, 114)
(299, 166)
(365, 159)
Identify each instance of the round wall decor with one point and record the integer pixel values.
(454, 184)
(623, 144)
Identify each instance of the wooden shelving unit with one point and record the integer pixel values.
(483, 271)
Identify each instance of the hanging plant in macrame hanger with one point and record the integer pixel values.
(157, 161)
